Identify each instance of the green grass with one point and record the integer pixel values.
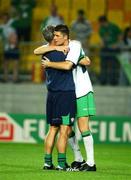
(24, 162)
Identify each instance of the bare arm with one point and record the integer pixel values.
(64, 65)
(44, 49)
(85, 61)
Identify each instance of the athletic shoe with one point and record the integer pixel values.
(67, 165)
(47, 167)
(72, 169)
(86, 167)
(76, 164)
(60, 168)
(65, 169)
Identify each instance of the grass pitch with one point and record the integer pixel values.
(25, 161)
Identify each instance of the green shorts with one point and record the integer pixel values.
(86, 105)
(66, 120)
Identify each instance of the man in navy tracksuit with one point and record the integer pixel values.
(60, 107)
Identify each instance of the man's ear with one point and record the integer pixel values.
(65, 37)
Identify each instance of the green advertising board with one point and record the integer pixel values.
(31, 128)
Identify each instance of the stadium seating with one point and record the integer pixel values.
(118, 12)
(5, 5)
(116, 16)
(127, 5)
(44, 3)
(127, 17)
(63, 4)
(115, 5)
(65, 14)
(75, 6)
(39, 13)
(93, 10)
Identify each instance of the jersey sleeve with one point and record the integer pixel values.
(82, 52)
(82, 55)
(45, 45)
(74, 52)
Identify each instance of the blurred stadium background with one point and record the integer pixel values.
(117, 12)
(22, 104)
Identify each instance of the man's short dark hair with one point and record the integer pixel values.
(48, 33)
(63, 29)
